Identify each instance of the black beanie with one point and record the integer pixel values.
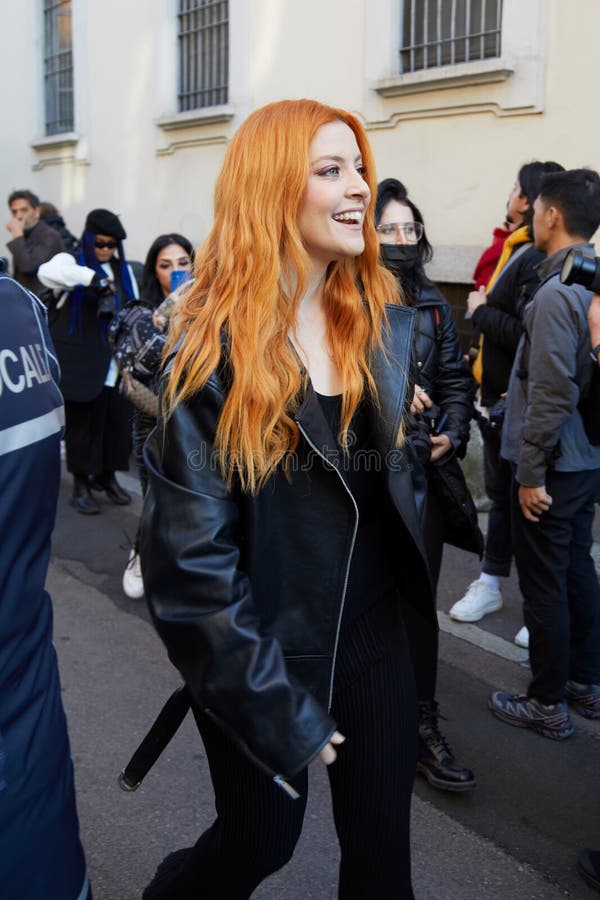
(102, 221)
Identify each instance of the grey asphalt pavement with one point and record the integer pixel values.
(516, 836)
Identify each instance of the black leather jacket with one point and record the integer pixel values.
(439, 366)
(247, 592)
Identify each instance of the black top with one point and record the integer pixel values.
(373, 569)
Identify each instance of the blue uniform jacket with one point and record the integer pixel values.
(40, 851)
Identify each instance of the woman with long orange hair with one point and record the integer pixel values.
(280, 493)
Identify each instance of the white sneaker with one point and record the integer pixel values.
(522, 638)
(479, 600)
(133, 585)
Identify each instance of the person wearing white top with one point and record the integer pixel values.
(86, 292)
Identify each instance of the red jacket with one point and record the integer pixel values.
(488, 259)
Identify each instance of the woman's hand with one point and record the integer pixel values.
(476, 299)
(329, 754)
(440, 444)
(420, 401)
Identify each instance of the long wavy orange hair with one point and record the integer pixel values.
(241, 293)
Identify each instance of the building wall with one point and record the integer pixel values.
(457, 147)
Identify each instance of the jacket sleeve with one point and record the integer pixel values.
(552, 394)
(454, 385)
(29, 255)
(201, 599)
(504, 328)
(62, 272)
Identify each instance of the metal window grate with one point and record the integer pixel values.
(58, 66)
(445, 32)
(203, 38)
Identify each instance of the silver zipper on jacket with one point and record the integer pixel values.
(243, 746)
(351, 495)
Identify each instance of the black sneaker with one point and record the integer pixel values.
(436, 761)
(585, 698)
(527, 712)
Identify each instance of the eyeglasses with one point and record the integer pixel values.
(409, 233)
(108, 245)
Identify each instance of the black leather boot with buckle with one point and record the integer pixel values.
(436, 761)
(113, 490)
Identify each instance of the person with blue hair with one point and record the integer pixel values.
(87, 292)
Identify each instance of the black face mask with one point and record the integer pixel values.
(400, 258)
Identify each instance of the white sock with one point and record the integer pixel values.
(492, 580)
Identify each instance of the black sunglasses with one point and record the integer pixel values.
(108, 245)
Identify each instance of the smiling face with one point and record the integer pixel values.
(336, 197)
(172, 258)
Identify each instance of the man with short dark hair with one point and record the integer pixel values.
(556, 473)
(33, 241)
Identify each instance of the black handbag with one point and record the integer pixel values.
(461, 525)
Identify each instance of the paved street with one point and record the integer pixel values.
(517, 836)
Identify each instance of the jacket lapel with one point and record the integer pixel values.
(391, 371)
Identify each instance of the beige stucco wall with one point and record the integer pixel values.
(457, 149)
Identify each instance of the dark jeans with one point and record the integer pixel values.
(98, 434)
(498, 476)
(559, 585)
(258, 826)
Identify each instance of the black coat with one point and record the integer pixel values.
(81, 345)
(500, 320)
(247, 592)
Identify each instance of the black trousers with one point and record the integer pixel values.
(258, 826)
(498, 478)
(560, 588)
(98, 434)
(422, 638)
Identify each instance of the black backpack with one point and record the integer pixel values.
(136, 342)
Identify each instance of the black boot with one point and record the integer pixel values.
(82, 500)
(435, 760)
(114, 491)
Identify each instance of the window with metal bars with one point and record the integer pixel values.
(58, 67)
(446, 32)
(203, 37)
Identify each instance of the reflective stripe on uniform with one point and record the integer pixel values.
(30, 432)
